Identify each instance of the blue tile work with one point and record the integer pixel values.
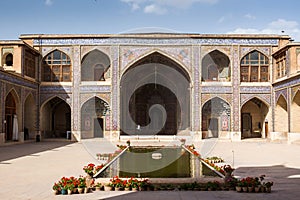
(56, 89)
(16, 80)
(131, 41)
(255, 89)
(95, 88)
(216, 89)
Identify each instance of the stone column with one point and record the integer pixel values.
(115, 93)
(2, 118)
(195, 94)
(236, 110)
(75, 125)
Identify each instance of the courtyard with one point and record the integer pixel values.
(29, 170)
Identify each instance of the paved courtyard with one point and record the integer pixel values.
(29, 170)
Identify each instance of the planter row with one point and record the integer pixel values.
(253, 189)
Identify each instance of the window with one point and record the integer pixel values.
(9, 60)
(281, 65)
(215, 67)
(57, 67)
(255, 67)
(95, 66)
(30, 64)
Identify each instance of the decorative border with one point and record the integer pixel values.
(126, 41)
(56, 89)
(254, 89)
(16, 80)
(216, 89)
(287, 83)
(95, 88)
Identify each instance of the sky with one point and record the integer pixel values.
(128, 16)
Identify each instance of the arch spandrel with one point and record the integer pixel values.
(181, 56)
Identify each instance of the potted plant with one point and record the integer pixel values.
(239, 185)
(143, 184)
(56, 188)
(268, 186)
(89, 169)
(70, 187)
(98, 186)
(81, 184)
(63, 185)
(108, 187)
(117, 183)
(134, 184)
(127, 185)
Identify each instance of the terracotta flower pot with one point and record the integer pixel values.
(250, 189)
(80, 190)
(257, 189)
(55, 192)
(107, 188)
(268, 189)
(245, 189)
(238, 189)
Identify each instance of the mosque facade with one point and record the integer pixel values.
(150, 85)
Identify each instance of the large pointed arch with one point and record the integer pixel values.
(215, 66)
(12, 113)
(150, 76)
(95, 66)
(254, 113)
(281, 115)
(55, 118)
(30, 117)
(215, 117)
(93, 113)
(295, 113)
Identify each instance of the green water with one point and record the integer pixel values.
(139, 162)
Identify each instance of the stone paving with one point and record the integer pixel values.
(29, 170)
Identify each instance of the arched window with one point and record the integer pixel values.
(9, 60)
(57, 67)
(95, 66)
(215, 67)
(255, 67)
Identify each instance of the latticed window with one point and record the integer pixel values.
(255, 67)
(30, 64)
(281, 65)
(57, 67)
